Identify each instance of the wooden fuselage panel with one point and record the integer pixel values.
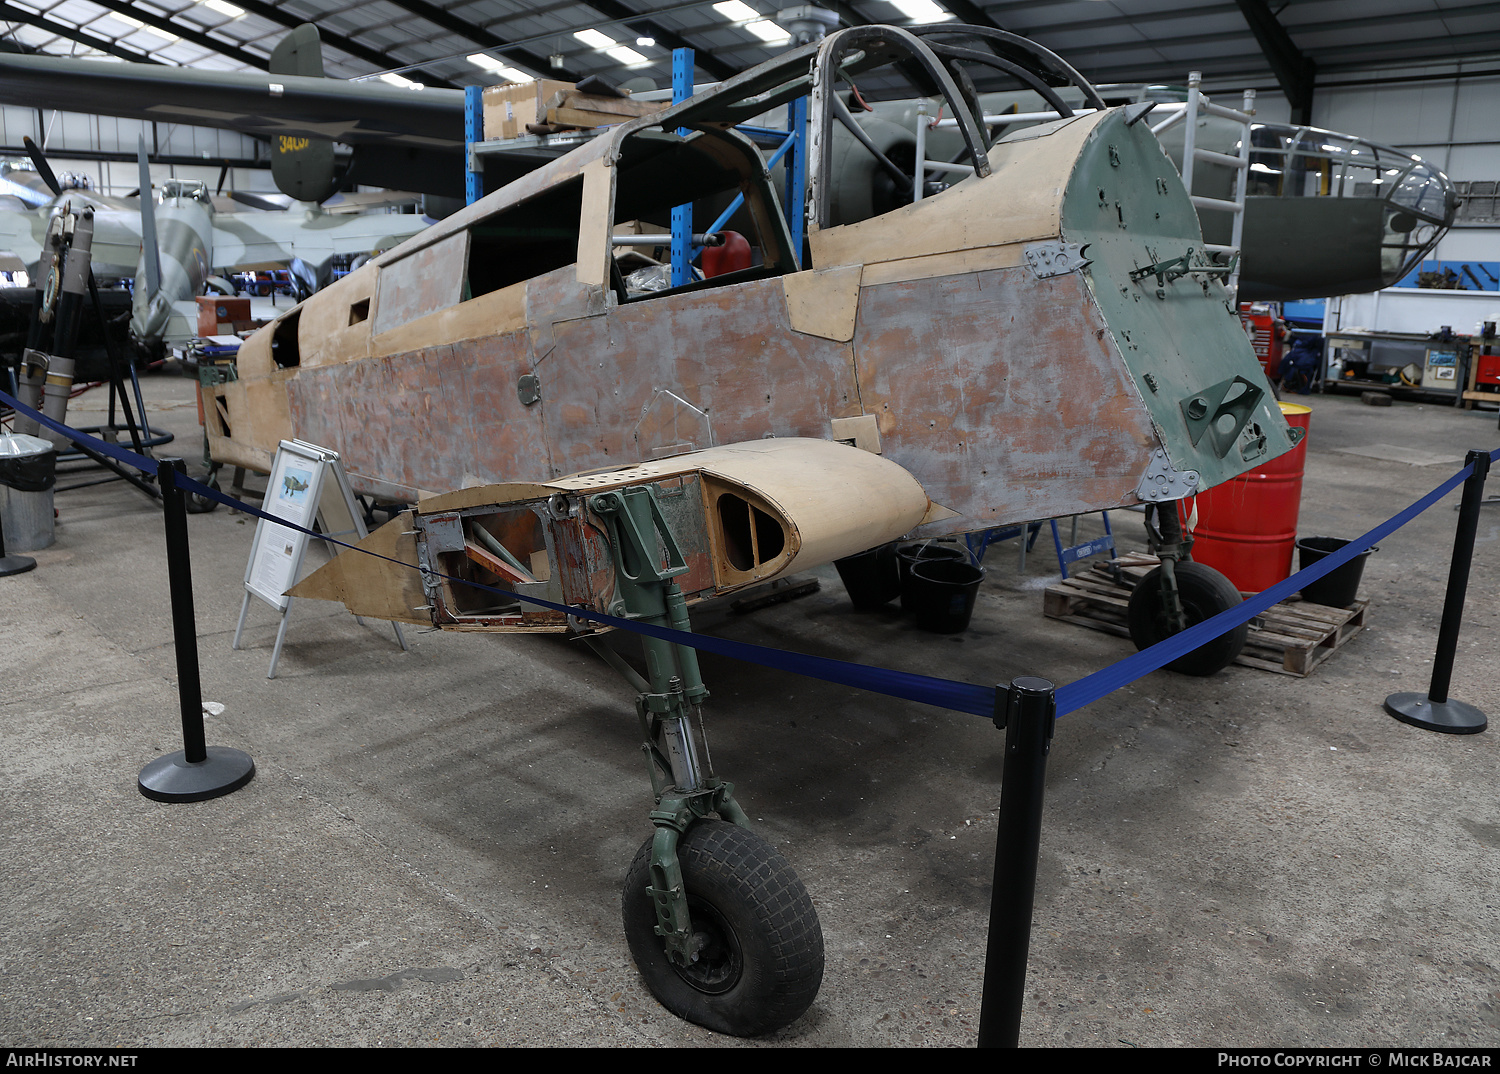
(997, 390)
(433, 419)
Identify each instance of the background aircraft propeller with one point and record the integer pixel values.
(255, 201)
(43, 169)
(148, 221)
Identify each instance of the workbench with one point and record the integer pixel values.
(1379, 360)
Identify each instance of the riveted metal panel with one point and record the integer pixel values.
(729, 351)
(434, 419)
(1178, 338)
(1002, 393)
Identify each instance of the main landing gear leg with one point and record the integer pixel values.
(722, 930)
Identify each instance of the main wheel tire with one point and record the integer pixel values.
(1204, 593)
(761, 956)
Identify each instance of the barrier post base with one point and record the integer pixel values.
(15, 564)
(1447, 717)
(173, 778)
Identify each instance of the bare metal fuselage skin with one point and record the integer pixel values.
(963, 337)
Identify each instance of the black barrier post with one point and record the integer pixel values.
(1434, 710)
(1028, 711)
(197, 771)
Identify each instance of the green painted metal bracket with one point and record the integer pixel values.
(1221, 413)
(635, 525)
(1177, 267)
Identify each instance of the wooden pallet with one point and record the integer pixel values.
(1292, 637)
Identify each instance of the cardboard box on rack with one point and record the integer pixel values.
(571, 108)
(508, 108)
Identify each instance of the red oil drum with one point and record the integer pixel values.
(1247, 527)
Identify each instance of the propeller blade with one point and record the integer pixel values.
(224, 171)
(148, 222)
(42, 167)
(255, 201)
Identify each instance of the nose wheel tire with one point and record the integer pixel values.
(1204, 593)
(756, 934)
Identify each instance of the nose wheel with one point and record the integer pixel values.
(756, 950)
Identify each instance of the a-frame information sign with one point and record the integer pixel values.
(307, 482)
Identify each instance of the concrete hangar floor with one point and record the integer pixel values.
(432, 849)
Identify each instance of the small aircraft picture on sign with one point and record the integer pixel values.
(294, 485)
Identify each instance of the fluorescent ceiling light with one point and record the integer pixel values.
(489, 63)
(594, 39)
(139, 25)
(224, 8)
(402, 81)
(767, 30)
(920, 10)
(645, 42)
(626, 55)
(736, 10)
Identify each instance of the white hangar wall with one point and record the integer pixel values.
(58, 132)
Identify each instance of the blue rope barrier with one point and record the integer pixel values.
(923, 689)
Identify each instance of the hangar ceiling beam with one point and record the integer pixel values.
(1294, 71)
(1348, 23)
(1113, 21)
(971, 13)
(479, 35)
(1365, 53)
(1410, 51)
(11, 13)
(187, 33)
(638, 20)
(381, 60)
(846, 13)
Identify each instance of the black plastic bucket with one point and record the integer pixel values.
(940, 594)
(909, 555)
(870, 578)
(1339, 587)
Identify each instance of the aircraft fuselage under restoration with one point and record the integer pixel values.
(1044, 338)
